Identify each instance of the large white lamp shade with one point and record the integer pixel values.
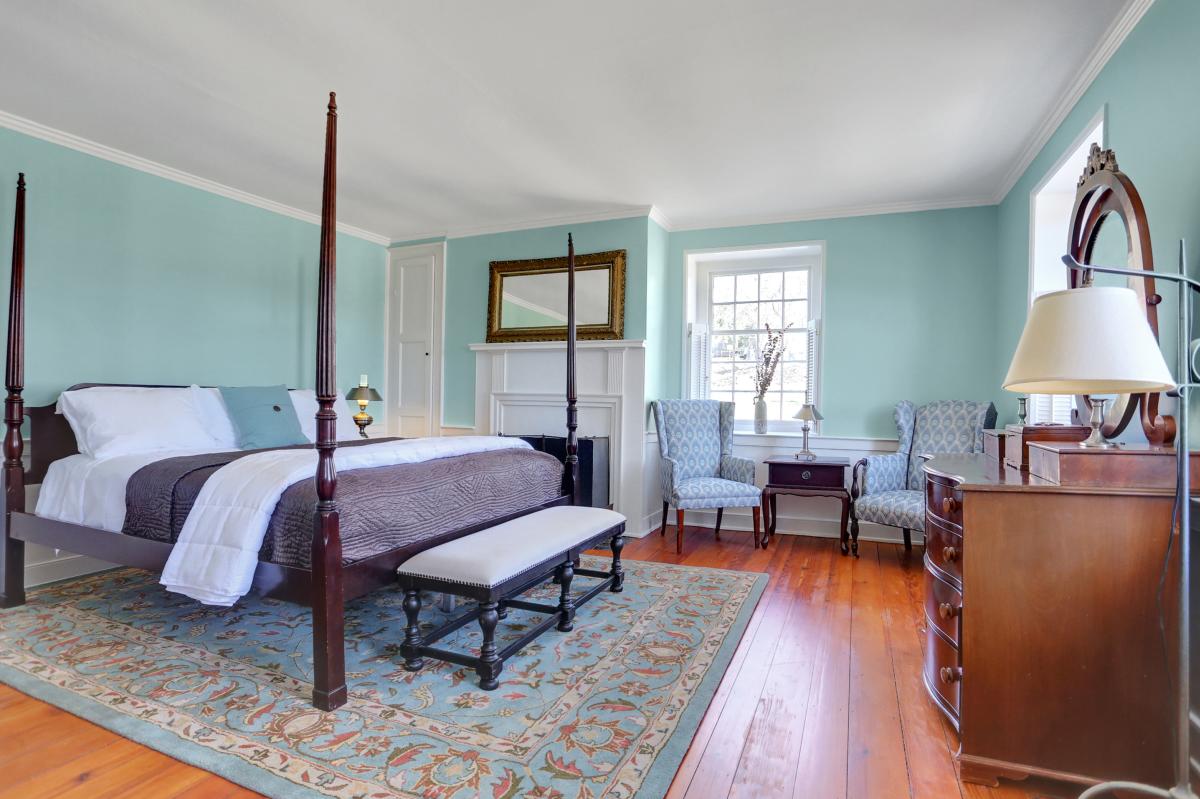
(1092, 340)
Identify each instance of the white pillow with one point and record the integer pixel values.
(215, 417)
(124, 420)
(304, 400)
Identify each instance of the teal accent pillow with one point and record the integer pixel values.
(262, 416)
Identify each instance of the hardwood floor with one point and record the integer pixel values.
(823, 698)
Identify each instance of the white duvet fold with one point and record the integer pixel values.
(217, 552)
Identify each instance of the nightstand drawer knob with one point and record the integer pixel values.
(806, 475)
(950, 674)
(950, 554)
(947, 611)
(949, 506)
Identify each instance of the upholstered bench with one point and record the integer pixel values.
(494, 567)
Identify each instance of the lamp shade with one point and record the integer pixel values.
(1092, 340)
(361, 393)
(808, 413)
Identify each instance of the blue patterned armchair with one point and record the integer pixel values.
(697, 466)
(890, 489)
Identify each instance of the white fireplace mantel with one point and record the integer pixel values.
(520, 389)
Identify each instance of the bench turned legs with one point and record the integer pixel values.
(618, 572)
(566, 605)
(489, 665)
(412, 633)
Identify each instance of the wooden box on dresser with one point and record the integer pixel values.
(1043, 643)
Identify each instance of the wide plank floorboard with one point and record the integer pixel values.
(823, 698)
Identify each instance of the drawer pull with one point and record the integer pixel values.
(950, 674)
(950, 554)
(806, 475)
(947, 611)
(949, 506)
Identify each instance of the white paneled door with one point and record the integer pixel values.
(414, 340)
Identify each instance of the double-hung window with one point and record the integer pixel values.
(739, 297)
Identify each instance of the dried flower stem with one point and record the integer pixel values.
(764, 373)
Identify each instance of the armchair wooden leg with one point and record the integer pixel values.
(717, 529)
(679, 531)
(757, 517)
(907, 538)
(663, 530)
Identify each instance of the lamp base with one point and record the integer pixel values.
(363, 420)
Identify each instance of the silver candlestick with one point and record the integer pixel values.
(1096, 440)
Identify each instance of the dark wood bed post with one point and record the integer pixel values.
(329, 653)
(571, 471)
(12, 554)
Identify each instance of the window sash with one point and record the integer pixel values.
(801, 337)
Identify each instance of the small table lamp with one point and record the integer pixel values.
(362, 394)
(807, 414)
(1092, 340)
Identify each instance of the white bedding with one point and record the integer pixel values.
(215, 557)
(91, 491)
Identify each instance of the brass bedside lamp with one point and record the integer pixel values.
(807, 414)
(362, 394)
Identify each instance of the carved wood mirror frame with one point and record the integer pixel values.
(1105, 192)
(614, 328)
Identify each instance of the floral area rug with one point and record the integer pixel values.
(606, 710)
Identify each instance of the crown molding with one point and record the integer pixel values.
(103, 151)
(660, 219)
(835, 213)
(625, 212)
(654, 213)
(1113, 38)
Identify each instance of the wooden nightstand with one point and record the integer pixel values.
(823, 477)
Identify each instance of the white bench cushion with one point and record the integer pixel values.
(492, 556)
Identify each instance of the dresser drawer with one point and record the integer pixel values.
(944, 501)
(943, 606)
(943, 673)
(943, 549)
(802, 475)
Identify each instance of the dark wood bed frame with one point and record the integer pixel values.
(330, 583)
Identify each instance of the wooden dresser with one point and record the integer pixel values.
(1043, 644)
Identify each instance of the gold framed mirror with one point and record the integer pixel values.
(527, 300)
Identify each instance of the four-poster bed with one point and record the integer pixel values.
(329, 578)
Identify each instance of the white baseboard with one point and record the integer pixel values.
(62, 567)
(740, 519)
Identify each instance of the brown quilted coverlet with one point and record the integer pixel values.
(408, 507)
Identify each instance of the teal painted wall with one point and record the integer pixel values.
(134, 278)
(659, 336)
(467, 262)
(909, 310)
(1148, 91)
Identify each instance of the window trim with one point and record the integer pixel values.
(700, 264)
(1099, 120)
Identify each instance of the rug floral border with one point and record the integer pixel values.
(646, 773)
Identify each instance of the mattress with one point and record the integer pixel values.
(89, 491)
(405, 508)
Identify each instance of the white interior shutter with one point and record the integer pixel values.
(811, 366)
(700, 361)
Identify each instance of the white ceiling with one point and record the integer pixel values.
(463, 115)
